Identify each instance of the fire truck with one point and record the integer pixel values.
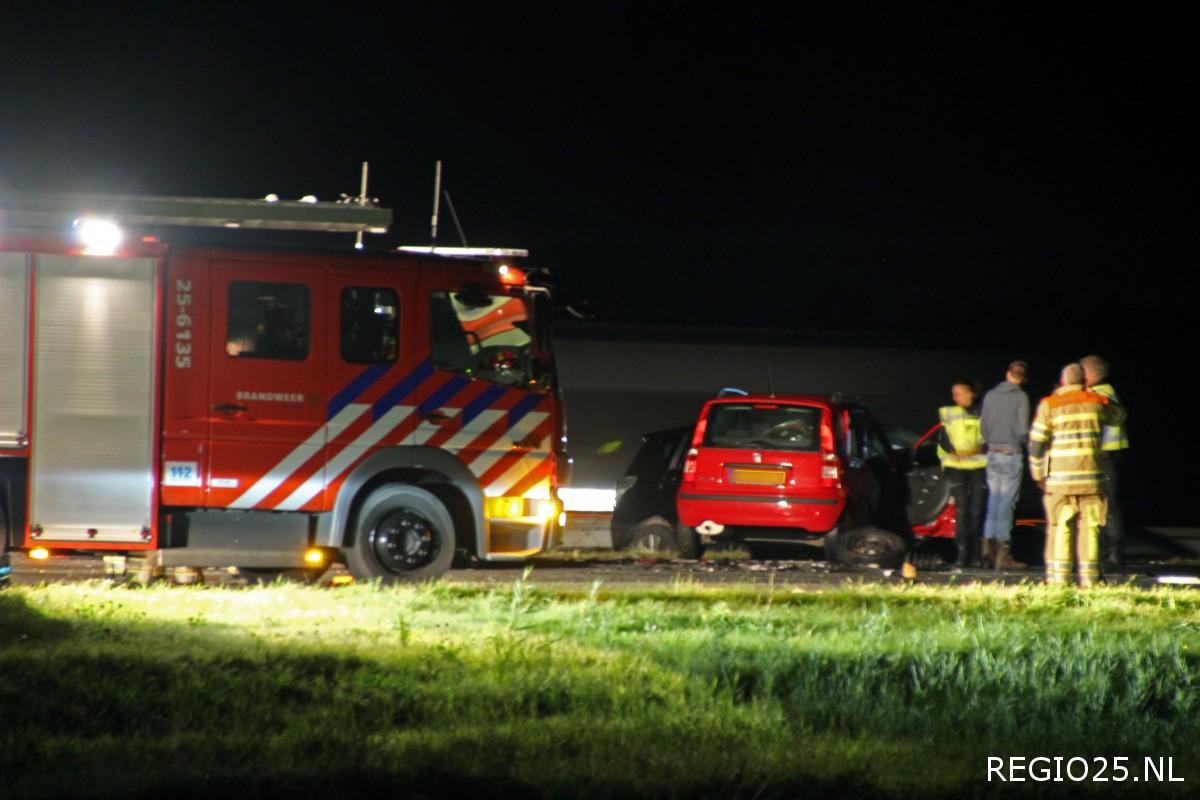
(272, 409)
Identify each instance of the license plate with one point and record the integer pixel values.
(759, 477)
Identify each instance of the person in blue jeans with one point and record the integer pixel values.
(1004, 423)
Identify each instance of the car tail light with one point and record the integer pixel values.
(689, 463)
(829, 459)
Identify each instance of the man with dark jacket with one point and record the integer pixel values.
(1004, 422)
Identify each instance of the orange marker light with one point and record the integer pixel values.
(39, 554)
(510, 276)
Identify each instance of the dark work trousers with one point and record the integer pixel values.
(967, 488)
(1113, 532)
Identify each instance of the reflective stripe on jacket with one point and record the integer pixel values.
(961, 443)
(1112, 437)
(1064, 442)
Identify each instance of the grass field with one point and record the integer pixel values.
(445, 690)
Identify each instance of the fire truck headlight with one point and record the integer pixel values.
(99, 237)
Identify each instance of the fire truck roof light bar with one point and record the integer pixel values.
(466, 252)
(46, 210)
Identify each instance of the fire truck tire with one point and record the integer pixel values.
(864, 546)
(401, 533)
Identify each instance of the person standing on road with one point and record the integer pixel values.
(960, 448)
(1064, 460)
(1004, 422)
(1113, 441)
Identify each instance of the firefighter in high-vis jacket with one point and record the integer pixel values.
(1113, 442)
(961, 450)
(1064, 460)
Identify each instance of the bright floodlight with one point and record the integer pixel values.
(99, 237)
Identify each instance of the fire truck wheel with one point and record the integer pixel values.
(860, 547)
(403, 533)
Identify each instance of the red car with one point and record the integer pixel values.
(766, 470)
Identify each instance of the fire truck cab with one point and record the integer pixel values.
(270, 409)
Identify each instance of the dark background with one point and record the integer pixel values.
(995, 179)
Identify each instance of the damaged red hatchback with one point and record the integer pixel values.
(766, 470)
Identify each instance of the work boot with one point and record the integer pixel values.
(986, 558)
(1004, 559)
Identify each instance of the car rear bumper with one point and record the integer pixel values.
(813, 514)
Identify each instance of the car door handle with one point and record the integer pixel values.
(229, 408)
(437, 417)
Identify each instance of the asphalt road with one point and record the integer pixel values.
(579, 569)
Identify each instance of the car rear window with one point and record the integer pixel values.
(762, 426)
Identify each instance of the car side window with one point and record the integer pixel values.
(679, 446)
(876, 445)
(865, 442)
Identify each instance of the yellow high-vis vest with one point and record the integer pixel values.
(962, 428)
(1112, 437)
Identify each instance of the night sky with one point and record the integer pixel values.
(1000, 180)
(873, 170)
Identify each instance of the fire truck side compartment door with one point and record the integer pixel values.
(92, 466)
(14, 305)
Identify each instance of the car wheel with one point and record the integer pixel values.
(263, 576)
(864, 546)
(402, 533)
(653, 538)
(688, 541)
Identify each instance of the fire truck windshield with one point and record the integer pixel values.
(484, 335)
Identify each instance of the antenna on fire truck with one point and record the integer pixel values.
(466, 251)
(438, 194)
(362, 201)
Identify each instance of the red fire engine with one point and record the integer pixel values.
(269, 409)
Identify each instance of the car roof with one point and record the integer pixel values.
(778, 399)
